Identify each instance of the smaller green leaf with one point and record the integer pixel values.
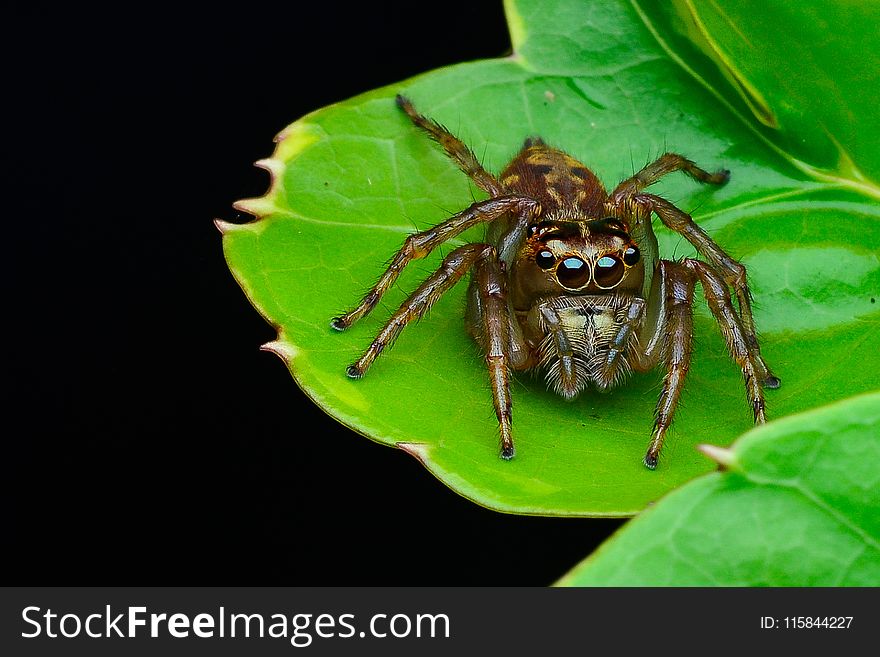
(798, 504)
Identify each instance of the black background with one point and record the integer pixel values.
(148, 439)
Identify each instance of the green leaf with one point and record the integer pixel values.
(797, 506)
(615, 87)
(817, 77)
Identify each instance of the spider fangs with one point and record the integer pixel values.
(569, 280)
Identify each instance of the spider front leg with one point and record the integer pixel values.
(718, 298)
(494, 328)
(454, 266)
(682, 223)
(678, 286)
(495, 334)
(677, 326)
(419, 245)
(733, 273)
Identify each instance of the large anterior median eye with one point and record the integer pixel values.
(608, 271)
(573, 273)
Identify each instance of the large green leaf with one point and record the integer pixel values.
(797, 505)
(615, 87)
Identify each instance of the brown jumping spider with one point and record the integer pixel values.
(569, 280)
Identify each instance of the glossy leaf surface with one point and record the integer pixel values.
(615, 86)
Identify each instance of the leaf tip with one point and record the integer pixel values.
(725, 458)
(273, 166)
(284, 350)
(294, 139)
(258, 207)
(227, 227)
(224, 226)
(419, 450)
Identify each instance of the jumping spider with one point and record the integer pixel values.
(569, 280)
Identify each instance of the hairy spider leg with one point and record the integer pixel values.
(732, 272)
(718, 297)
(491, 287)
(662, 166)
(454, 266)
(419, 245)
(493, 297)
(678, 287)
(455, 148)
(680, 280)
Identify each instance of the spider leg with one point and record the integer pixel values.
(733, 272)
(676, 354)
(455, 148)
(491, 286)
(419, 245)
(666, 164)
(675, 219)
(718, 297)
(454, 266)
(520, 356)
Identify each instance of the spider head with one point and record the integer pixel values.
(579, 257)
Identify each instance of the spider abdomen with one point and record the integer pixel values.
(555, 179)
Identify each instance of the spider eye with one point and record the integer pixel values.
(609, 271)
(537, 228)
(545, 259)
(573, 273)
(631, 256)
(614, 223)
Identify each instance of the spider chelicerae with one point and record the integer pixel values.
(569, 280)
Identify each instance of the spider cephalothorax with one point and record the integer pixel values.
(569, 280)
